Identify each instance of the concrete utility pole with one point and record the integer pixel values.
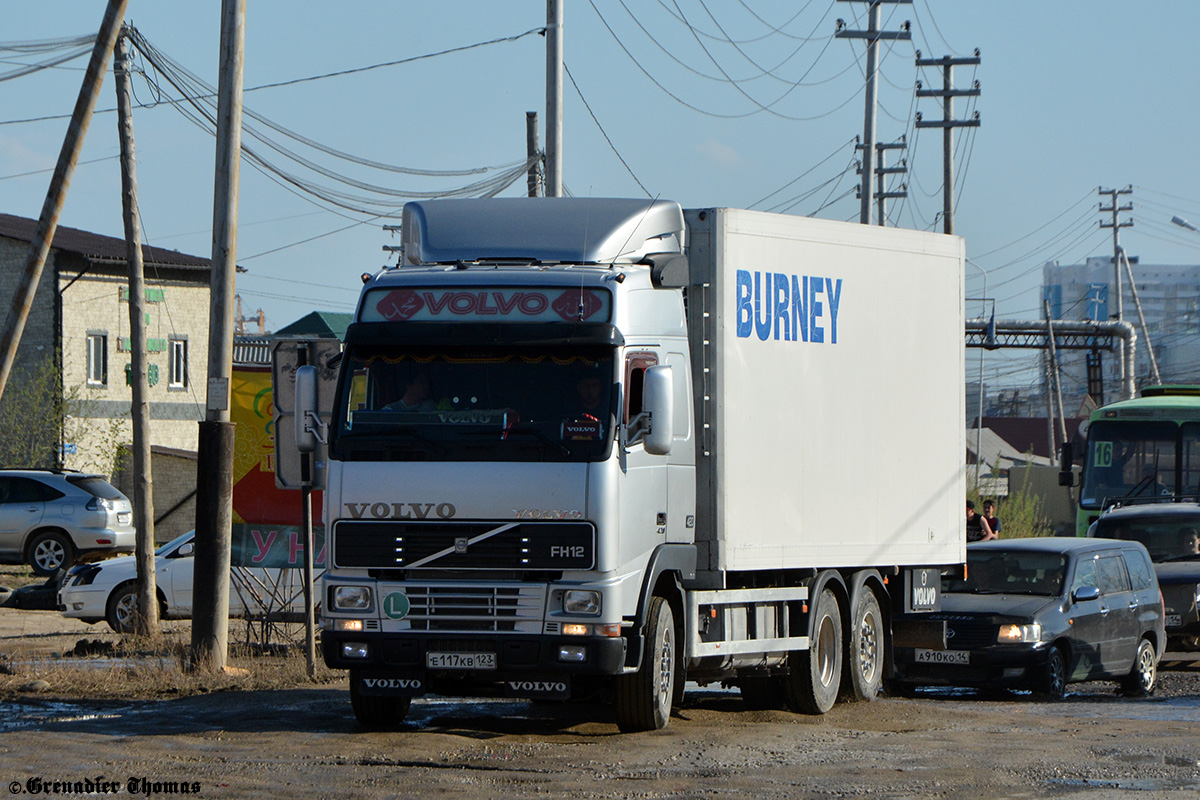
(554, 84)
(531, 152)
(881, 173)
(1116, 226)
(948, 123)
(39, 249)
(214, 490)
(873, 35)
(146, 620)
(1137, 304)
(1052, 351)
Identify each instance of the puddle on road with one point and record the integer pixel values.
(19, 716)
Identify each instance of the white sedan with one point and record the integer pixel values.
(107, 590)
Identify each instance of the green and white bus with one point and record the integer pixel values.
(1140, 449)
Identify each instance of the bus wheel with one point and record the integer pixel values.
(812, 685)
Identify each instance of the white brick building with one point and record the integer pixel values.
(79, 323)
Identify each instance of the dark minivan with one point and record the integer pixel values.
(1171, 532)
(1039, 614)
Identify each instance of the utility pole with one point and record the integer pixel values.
(1137, 304)
(873, 35)
(532, 151)
(39, 248)
(554, 84)
(146, 620)
(948, 123)
(214, 490)
(881, 173)
(1053, 353)
(1116, 226)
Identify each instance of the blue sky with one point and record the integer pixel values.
(1075, 95)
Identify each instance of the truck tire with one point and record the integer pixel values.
(811, 686)
(376, 712)
(864, 647)
(49, 552)
(643, 699)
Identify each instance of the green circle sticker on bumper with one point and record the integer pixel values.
(396, 605)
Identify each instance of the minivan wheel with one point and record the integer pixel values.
(1053, 683)
(49, 552)
(1140, 681)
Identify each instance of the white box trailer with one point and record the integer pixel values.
(606, 446)
(832, 361)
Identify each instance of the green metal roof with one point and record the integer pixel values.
(321, 324)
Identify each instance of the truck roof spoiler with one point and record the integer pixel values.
(554, 230)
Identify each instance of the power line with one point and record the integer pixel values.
(604, 133)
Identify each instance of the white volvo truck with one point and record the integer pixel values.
(601, 447)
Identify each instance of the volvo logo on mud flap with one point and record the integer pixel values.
(538, 688)
(402, 686)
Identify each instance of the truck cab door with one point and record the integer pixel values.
(643, 493)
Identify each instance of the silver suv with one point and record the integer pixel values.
(54, 518)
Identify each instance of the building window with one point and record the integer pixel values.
(178, 364)
(97, 359)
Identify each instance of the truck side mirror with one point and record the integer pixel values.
(1065, 476)
(659, 401)
(306, 408)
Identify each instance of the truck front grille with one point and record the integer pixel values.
(495, 609)
(482, 545)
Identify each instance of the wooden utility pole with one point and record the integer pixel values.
(39, 248)
(214, 489)
(146, 620)
(554, 83)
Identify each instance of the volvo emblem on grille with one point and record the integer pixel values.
(460, 544)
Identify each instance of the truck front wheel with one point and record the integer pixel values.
(376, 712)
(643, 699)
(811, 686)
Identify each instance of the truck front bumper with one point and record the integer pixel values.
(399, 663)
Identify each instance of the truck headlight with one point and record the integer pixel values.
(1020, 634)
(351, 598)
(581, 601)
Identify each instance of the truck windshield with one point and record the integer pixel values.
(548, 403)
(1140, 459)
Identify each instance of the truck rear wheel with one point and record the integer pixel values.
(811, 686)
(376, 712)
(643, 701)
(864, 652)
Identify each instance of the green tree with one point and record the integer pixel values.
(32, 414)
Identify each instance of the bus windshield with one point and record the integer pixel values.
(447, 403)
(1127, 459)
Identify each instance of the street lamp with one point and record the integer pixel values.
(1183, 223)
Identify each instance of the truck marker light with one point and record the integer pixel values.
(355, 625)
(576, 629)
(612, 630)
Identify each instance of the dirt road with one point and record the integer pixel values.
(303, 743)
